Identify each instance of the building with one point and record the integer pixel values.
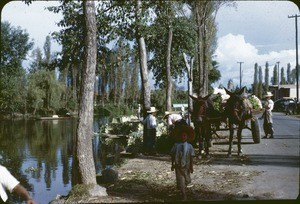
(287, 90)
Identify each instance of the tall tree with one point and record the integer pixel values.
(86, 108)
(260, 82)
(267, 77)
(142, 56)
(275, 76)
(288, 74)
(282, 77)
(170, 16)
(15, 45)
(47, 50)
(204, 13)
(255, 82)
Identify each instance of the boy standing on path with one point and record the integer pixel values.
(182, 155)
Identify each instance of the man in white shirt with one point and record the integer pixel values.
(267, 116)
(10, 183)
(149, 138)
(172, 118)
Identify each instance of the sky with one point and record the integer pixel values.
(252, 32)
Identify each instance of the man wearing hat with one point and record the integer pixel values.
(172, 118)
(150, 135)
(182, 154)
(267, 116)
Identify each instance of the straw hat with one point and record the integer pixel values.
(166, 114)
(152, 110)
(176, 132)
(269, 94)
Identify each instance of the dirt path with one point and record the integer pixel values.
(150, 179)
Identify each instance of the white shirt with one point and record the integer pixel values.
(7, 181)
(172, 118)
(269, 105)
(150, 121)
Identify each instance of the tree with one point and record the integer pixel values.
(169, 36)
(255, 82)
(15, 45)
(260, 83)
(70, 61)
(142, 56)
(275, 76)
(204, 13)
(288, 74)
(282, 77)
(86, 107)
(267, 77)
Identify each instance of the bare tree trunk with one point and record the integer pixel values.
(168, 71)
(189, 67)
(85, 124)
(143, 61)
(205, 61)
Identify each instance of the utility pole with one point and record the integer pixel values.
(240, 73)
(278, 74)
(278, 96)
(297, 65)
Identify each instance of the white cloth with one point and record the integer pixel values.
(172, 118)
(7, 181)
(269, 105)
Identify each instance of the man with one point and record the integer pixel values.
(150, 136)
(267, 116)
(172, 118)
(10, 183)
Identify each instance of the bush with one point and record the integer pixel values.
(164, 144)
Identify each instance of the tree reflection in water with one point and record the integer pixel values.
(40, 155)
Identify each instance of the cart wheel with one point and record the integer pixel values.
(255, 129)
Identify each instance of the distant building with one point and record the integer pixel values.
(287, 90)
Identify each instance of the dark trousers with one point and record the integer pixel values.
(149, 141)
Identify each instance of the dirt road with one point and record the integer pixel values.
(267, 171)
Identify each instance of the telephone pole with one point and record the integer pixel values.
(297, 65)
(278, 73)
(240, 73)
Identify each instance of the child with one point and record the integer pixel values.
(182, 155)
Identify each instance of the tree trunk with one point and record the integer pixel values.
(189, 68)
(168, 71)
(85, 124)
(204, 91)
(143, 61)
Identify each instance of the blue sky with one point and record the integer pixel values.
(252, 32)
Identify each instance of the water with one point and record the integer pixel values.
(39, 154)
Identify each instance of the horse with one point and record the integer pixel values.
(237, 114)
(202, 111)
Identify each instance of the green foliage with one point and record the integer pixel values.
(164, 144)
(14, 46)
(135, 143)
(158, 99)
(217, 100)
(256, 103)
(44, 91)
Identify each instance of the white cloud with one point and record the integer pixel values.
(234, 48)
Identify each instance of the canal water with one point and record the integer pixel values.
(39, 154)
